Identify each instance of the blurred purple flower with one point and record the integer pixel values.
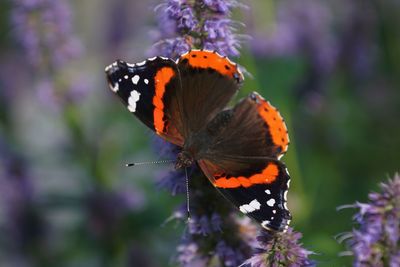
(216, 222)
(220, 6)
(230, 256)
(107, 209)
(212, 230)
(280, 249)
(197, 24)
(376, 241)
(44, 29)
(302, 28)
(359, 48)
(173, 181)
(188, 255)
(22, 223)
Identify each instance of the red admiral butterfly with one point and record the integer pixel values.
(237, 148)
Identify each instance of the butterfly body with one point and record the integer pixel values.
(237, 148)
(197, 145)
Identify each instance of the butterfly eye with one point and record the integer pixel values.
(254, 97)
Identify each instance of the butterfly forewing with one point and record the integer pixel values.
(209, 82)
(148, 89)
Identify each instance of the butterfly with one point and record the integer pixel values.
(237, 148)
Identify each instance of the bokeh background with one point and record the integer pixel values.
(332, 68)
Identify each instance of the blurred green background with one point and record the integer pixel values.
(66, 199)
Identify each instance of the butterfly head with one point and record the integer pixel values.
(184, 160)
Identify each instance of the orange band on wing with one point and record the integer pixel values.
(267, 176)
(208, 59)
(277, 127)
(162, 77)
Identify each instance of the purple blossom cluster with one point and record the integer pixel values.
(280, 249)
(213, 232)
(44, 30)
(107, 209)
(376, 240)
(22, 222)
(196, 24)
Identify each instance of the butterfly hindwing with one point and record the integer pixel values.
(258, 188)
(254, 129)
(242, 160)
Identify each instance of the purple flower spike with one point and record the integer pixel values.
(376, 240)
(215, 236)
(219, 5)
(280, 249)
(44, 28)
(213, 231)
(198, 24)
(187, 20)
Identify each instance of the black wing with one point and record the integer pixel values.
(242, 161)
(176, 99)
(143, 87)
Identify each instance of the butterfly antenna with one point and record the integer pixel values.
(187, 195)
(149, 162)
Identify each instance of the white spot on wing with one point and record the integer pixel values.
(271, 202)
(268, 192)
(285, 195)
(273, 211)
(265, 223)
(152, 58)
(252, 206)
(126, 77)
(135, 79)
(115, 88)
(141, 63)
(132, 100)
(146, 81)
